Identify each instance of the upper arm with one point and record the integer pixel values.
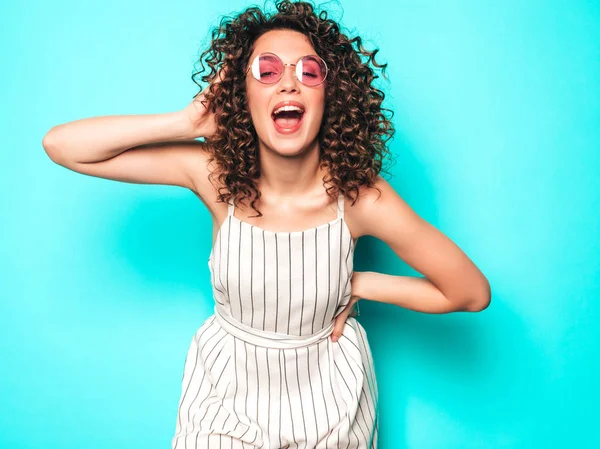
(418, 243)
(176, 163)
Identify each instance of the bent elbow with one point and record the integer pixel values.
(478, 306)
(50, 147)
(481, 303)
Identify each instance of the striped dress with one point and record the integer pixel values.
(262, 371)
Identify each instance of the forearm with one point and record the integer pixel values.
(414, 293)
(100, 138)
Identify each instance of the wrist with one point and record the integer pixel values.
(357, 283)
(181, 125)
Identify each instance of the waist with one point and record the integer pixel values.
(269, 339)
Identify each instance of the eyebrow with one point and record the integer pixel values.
(294, 59)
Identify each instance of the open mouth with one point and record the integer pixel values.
(287, 118)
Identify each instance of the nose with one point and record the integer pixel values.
(288, 81)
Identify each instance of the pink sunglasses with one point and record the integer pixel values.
(267, 68)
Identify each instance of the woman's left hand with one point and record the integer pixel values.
(340, 320)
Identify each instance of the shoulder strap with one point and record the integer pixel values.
(230, 207)
(341, 205)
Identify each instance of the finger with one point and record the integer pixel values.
(338, 327)
(340, 322)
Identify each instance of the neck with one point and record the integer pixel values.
(289, 176)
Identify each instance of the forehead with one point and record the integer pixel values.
(287, 44)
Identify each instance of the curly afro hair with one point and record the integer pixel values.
(354, 130)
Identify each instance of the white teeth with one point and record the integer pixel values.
(287, 108)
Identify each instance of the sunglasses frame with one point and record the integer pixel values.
(256, 59)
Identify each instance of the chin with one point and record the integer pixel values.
(287, 148)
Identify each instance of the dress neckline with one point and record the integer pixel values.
(267, 231)
(275, 233)
(339, 218)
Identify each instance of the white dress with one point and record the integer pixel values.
(262, 371)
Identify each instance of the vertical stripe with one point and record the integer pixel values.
(289, 281)
(302, 284)
(328, 274)
(301, 395)
(316, 277)
(219, 258)
(239, 258)
(339, 283)
(312, 404)
(228, 246)
(252, 307)
(264, 288)
(276, 285)
(280, 394)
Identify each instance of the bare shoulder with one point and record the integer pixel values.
(374, 206)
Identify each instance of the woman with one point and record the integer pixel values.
(292, 128)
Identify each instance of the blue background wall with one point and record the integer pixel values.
(102, 284)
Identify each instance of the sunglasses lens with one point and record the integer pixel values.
(311, 70)
(267, 68)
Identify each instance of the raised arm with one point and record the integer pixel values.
(141, 149)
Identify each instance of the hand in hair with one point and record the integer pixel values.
(200, 114)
